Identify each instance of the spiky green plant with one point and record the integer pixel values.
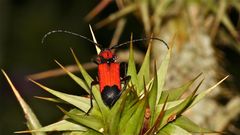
(145, 107)
(200, 26)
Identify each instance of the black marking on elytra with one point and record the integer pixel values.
(110, 94)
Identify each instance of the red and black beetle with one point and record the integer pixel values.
(109, 78)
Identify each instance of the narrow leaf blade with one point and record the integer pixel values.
(87, 121)
(162, 72)
(80, 102)
(133, 126)
(63, 125)
(32, 121)
(171, 129)
(132, 67)
(145, 69)
(78, 80)
(175, 94)
(190, 126)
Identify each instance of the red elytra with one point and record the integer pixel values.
(109, 77)
(108, 70)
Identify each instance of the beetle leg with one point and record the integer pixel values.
(94, 82)
(126, 79)
(123, 69)
(94, 60)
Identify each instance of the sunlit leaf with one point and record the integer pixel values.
(56, 100)
(63, 125)
(126, 116)
(85, 120)
(88, 132)
(175, 94)
(94, 40)
(153, 96)
(189, 125)
(32, 121)
(78, 80)
(171, 129)
(84, 73)
(204, 93)
(132, 67)
(145, 69)
(133, 126)
(170, 114)
(80, 102)
(116, 112)
(162, 72)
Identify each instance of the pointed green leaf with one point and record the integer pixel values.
(80, 102)
(126, 116)
(56, 100)
(116, 112)
(170, 104)
(87, 121)
(190, 126)
(171, 129)
(32, 121)
(94, 40)
(63, 125)
(145, 69)
(201, 95)
(162, 72)
(153, 96)
(98, 98)
(132, 68)
(78, 80)
(84, 73)
(175, 94)
(133, 126)
(88, 132)
(131, 99)
(177, 110)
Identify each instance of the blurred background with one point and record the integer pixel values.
(206, 40)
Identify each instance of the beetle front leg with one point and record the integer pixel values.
(94, 82)
(126, 79)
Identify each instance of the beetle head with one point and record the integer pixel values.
(106, 56)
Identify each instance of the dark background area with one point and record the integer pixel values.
(23, 23)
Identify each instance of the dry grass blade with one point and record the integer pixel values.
(115, 16)
(97, 9)
(118, 31)
(59, 72)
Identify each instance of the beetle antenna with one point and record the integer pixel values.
(71, 33)
(138, 40)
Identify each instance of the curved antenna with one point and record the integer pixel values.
(71, 33)
(138, 40)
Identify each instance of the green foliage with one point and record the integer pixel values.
(129, 113)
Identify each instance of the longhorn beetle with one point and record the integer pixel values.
(109, 78)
